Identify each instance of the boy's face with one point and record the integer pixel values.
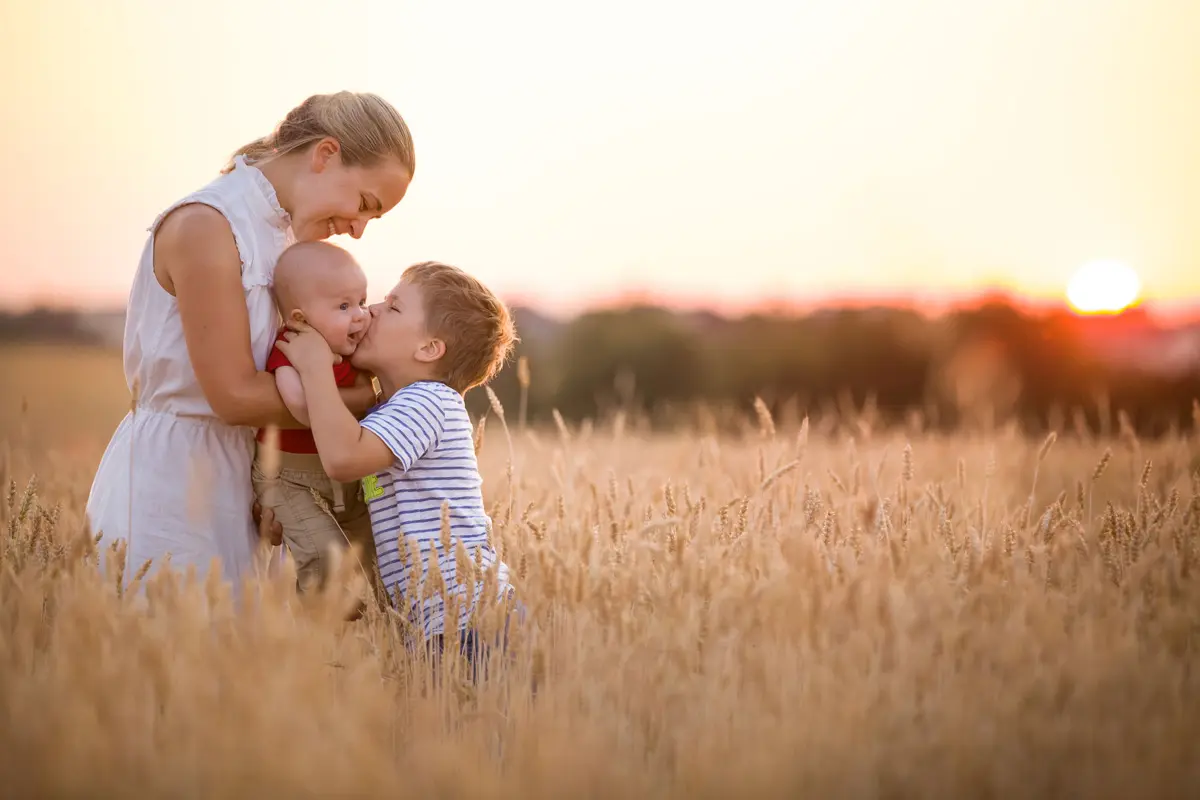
(335, 305)
(396, 343)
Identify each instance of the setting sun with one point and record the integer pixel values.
(1103, 287)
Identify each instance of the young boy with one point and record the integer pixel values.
(320, 285)
(438, 334)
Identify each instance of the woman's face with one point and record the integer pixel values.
(332, 199)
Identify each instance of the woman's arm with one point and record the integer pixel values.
(196, 259)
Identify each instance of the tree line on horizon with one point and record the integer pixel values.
(989, 364)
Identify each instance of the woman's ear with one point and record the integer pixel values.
(324, 152)
(431, 351)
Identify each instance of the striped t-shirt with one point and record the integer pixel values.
(426, 427)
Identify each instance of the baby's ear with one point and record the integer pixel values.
(297, 316)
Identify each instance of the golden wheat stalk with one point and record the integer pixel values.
(523, 381)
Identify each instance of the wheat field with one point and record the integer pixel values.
(801, 609)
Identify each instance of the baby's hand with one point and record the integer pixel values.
(306, 349)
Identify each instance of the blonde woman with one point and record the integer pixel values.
(175, 479)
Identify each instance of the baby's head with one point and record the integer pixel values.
(439, 323)
(321, 284)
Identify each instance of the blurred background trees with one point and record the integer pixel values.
(987, 364)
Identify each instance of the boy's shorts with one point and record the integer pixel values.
(309, 531)
(471, 646)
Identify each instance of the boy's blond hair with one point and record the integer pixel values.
(475, 325)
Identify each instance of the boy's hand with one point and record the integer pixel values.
(306, 349)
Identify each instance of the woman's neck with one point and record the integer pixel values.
(281, 173)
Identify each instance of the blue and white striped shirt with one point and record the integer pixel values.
(427, 428)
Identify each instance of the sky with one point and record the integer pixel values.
(698, 153)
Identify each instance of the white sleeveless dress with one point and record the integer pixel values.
(176, 479)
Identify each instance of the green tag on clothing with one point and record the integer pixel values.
(371, 489)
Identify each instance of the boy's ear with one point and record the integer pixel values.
(297, 316)
(431, 351)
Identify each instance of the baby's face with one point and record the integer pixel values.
(336, 308)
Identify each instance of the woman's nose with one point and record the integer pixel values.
(358, 227)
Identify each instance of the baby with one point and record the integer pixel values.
(439, 333)
(319, 285)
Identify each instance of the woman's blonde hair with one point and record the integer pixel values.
(366, 126)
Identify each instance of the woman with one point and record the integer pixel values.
(175, 478)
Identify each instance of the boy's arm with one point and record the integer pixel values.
(348, 451)
(291, 389)
(395, 435)
(360, 398)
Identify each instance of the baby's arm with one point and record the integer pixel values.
(291, 389)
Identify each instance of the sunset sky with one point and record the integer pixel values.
(702, 153)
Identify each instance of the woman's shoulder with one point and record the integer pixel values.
(233, 201)
(192, 217)
(190, 241)
(194, 226)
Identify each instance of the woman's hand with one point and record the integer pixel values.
(306, 349)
